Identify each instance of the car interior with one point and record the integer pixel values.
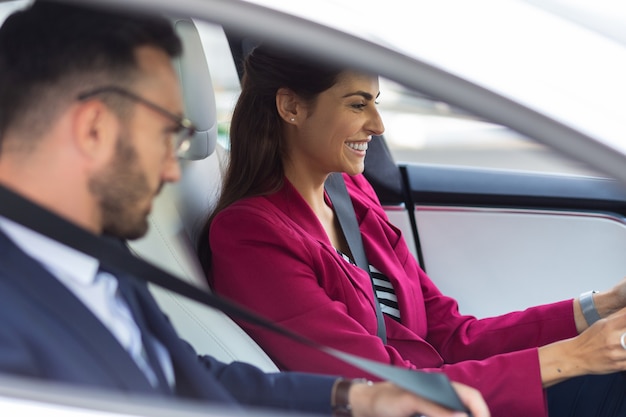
(563, 233)
(496, 240)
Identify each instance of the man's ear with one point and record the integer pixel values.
(95, 129)
(289, 105)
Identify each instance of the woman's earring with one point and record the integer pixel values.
(293, 119)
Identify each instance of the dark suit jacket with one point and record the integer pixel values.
(46, 332)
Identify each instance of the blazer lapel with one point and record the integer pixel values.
(301, 217)
(291, 203)
(32, 279)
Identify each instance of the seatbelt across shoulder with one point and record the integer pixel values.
(435, 387)
(344, 210)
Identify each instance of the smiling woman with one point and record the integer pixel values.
(317, 133)
(275, 245)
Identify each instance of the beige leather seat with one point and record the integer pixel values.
(178, 213)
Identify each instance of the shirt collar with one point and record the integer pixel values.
(58, 258)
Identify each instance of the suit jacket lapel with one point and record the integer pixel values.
(31, 278)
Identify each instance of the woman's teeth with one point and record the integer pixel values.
(357, 146)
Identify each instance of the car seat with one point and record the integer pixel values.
(179, 210)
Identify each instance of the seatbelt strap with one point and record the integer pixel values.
(344, 210)
(435, 387)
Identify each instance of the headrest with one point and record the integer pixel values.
(197, 88)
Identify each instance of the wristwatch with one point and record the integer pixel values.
(339, 398)
(589, 307)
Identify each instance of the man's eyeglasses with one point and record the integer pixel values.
(181, 135)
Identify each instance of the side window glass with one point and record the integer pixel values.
(421, 130)
(417, 128)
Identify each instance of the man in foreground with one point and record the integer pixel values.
(90, 124)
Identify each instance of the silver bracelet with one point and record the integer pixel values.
(589, 307)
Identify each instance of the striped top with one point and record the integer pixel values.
(384, 290)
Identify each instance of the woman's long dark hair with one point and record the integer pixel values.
(256, 134)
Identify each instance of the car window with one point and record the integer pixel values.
(418, 129)
(422, 130)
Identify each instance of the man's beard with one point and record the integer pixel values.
(120, 188)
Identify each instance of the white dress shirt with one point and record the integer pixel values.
(97, 290)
